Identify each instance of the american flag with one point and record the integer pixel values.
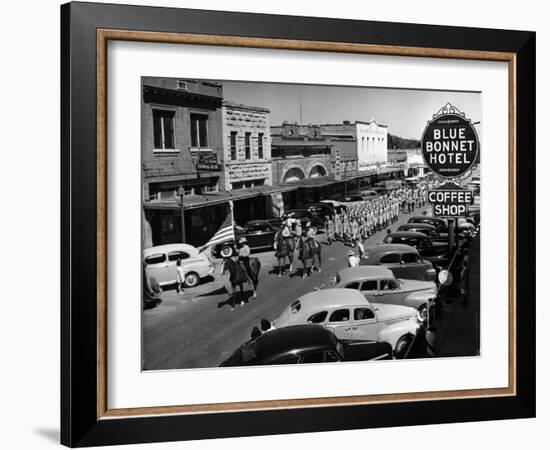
(225, 233)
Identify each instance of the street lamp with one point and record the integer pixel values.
(181, 193)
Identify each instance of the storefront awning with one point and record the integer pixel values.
(216, 198)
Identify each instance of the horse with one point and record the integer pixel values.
(308, 249)
(284, 248)
(238, 276)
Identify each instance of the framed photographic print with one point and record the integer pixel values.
(277, 224)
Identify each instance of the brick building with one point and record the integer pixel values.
(181, 149)
(301, 158)
(300, 153)
(246, 146)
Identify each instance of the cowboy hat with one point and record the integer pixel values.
(242, 240)
(350, 253)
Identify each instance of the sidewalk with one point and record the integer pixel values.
(457, 332)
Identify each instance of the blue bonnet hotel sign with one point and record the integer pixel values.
(450, 144)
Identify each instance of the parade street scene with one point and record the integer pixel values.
(299, 224)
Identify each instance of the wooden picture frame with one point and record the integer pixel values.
(85, 417)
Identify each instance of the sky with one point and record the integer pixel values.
(405, 111)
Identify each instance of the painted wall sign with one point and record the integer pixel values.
(450, 144)
(208, 162)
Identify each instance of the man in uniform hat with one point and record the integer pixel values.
(244, 256)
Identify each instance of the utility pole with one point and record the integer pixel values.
(300, 94)
(181, 193)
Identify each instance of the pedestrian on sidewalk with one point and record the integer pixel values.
(360, 249)
(329, 227)
(353, 261)
(465, 279)
(180, 277)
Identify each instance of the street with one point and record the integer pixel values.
(198, 329)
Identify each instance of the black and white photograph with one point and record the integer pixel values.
(300, 224)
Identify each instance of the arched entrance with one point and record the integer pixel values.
(293, 175)
(317, 171)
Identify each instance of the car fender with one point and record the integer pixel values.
(417, 299)
(393, 332)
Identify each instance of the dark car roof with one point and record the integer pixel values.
(280, 342)
(408, 234)
(323, 205)
(302, 210)
(415, 218)
(408, 226)
(254, 222)
(386, 248)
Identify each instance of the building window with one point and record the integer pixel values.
(212, 188)
(260, 145)
(199, 133)
(182, 85)
(247, 145)
(163, 129)
(233, 145)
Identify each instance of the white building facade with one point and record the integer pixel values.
(372, 145)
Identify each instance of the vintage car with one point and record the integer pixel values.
(348, 198)
(433, 251)
(466, 224)
(367, 194)
(321, 210)
(403, 260)
(304, 216)
(259, 234)
(426, 228)
(336, 205)
(379, 284)
(437, 222)
(305, 344)
(160, 263)
(349, 315)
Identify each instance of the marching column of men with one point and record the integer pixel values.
(362, 219)
(355, 223)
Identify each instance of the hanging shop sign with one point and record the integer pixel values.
(450, 200)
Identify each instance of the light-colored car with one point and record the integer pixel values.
(349, 315)
(379, 284)
(367, 194)
(160, 262)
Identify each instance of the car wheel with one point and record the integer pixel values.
(402, 346)
(191, 279)
(423, 313)
(226, 251)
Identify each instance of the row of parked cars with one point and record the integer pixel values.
(409, 251)
(368, 314)
(374, 311)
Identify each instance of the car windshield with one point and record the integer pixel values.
(256, 227)
(296, 214)
(295, 307)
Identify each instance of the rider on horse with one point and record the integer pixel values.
(244, 257)
(284, 248)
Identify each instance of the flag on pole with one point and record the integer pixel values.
(226, 231)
